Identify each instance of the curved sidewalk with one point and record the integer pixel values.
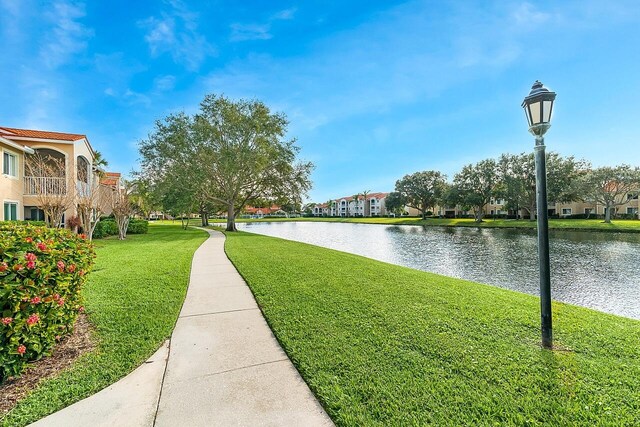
(223, 366)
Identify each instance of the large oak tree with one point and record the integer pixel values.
(230, 154)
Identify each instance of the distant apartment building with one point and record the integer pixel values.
(20, 185)
(372, 205)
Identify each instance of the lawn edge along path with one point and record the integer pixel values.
(381, 344)
(133, 298)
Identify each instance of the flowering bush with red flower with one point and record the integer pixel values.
(41, 273)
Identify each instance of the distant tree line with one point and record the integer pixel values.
(512, 178)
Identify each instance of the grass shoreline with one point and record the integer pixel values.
(381, 344)
(132, 299)
(591, 225)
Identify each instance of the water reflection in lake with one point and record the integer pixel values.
(596, 270)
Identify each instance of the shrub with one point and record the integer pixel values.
(39, 223)
(137, 226)
(108, 227)
(104, 228)
(41, 273)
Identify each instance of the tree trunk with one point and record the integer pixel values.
(424, 214)
(204, 218)
(478, 215)
(607, 215)
(532, 212)
(231, 218)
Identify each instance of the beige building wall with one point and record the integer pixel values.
(11, 187)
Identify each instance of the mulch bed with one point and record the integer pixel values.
(64, 353)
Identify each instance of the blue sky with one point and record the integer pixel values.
(374, 90)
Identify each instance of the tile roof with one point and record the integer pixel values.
(30, 133)
(254, 210)
(369, 196)
(110, 178)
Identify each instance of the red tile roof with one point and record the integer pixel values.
(369, 196)
(30, 133)
(253, 210)
(110, 178)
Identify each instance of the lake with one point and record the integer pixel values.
(595, 270)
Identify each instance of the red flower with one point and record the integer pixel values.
(28, 240)
(56, 297)
(41, 246)
(33, 319)
(30, 256)
(81, 273)
(7, 320)
(31, 265)
(21, 349)
(60, 265)
(61, 302)
(81, 309)
(17, 267)
(71, 268)
(3, 266)
(35, 300)
(83, 236)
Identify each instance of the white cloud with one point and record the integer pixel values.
(164, 83)
(176, 32)
(241, 32)
(109, 92)
(68, 36)
(285, 14)
(136, 98)
(253, 31)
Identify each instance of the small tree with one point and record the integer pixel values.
(611, 186)
(92, 202)
(51, 186)
(395, 202)
(122, 207)
(422, 190)
(477, 184)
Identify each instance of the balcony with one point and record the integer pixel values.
(34, 185)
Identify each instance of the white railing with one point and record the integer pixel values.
(44, 185)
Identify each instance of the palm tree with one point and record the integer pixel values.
(329, 205)
(365, 193)
(100, 163)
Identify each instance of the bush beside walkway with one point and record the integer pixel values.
(133, 298)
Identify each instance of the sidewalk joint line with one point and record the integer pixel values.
(218, 312)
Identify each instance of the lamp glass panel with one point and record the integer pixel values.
(546, 110)
(526, 113)
(535, 112)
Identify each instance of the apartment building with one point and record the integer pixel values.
(20, 185)
(372, 205)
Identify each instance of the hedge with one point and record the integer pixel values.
(41, 273)
(108, 227)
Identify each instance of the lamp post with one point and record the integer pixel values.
(538, 106)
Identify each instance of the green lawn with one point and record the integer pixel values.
(386, 345)
(133, 298)
(625, 226)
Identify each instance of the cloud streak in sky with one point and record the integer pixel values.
(175, 32)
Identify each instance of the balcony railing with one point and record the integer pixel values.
(34, 185)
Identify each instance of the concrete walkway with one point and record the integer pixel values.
(222, 367)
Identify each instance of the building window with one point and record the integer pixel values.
(566, 211)
(632, 211)
(9, 164)
(588, 210)
(10, 211)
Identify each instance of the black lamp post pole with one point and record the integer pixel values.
(543, 242)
